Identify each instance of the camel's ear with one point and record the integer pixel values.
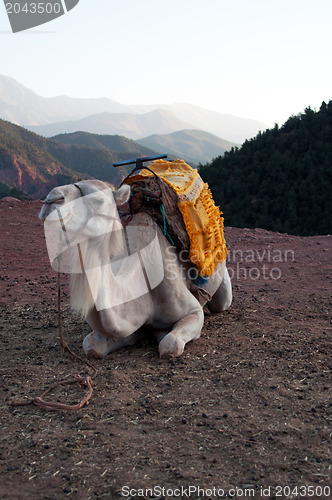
(122, 195)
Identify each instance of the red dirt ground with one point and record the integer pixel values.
(246, 409)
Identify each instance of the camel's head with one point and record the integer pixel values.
(83, 207)
(84, 212)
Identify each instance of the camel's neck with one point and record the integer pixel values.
(91, 266)
(115, 267)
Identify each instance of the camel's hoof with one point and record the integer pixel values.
(171, 346)
(92, 354)
(90, 348)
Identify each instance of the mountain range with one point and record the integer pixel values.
(31, 165)
(24, 107)
(129, 125)
(45, 142)
(193, 145)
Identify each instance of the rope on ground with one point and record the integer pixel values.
(48, 405)
(87, 381)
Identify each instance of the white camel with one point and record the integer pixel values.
(130, 281)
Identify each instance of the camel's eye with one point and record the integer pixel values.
(58, 200)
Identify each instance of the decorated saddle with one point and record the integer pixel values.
(174, 194)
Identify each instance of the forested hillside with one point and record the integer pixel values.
(115, 143)
(94, 155)
(31, 165)
(27, 169)
(281, 179)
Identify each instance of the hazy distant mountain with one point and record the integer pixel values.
(195, 146)
(226, 126)
(81, 107)
(24, 107)
(127, 124)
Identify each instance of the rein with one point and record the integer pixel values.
(84, 381)
(63, 341)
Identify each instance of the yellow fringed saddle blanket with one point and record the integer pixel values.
(203, 221)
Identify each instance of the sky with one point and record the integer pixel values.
(259, 59)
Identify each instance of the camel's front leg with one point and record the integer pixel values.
(97, 346)
(186, 329)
